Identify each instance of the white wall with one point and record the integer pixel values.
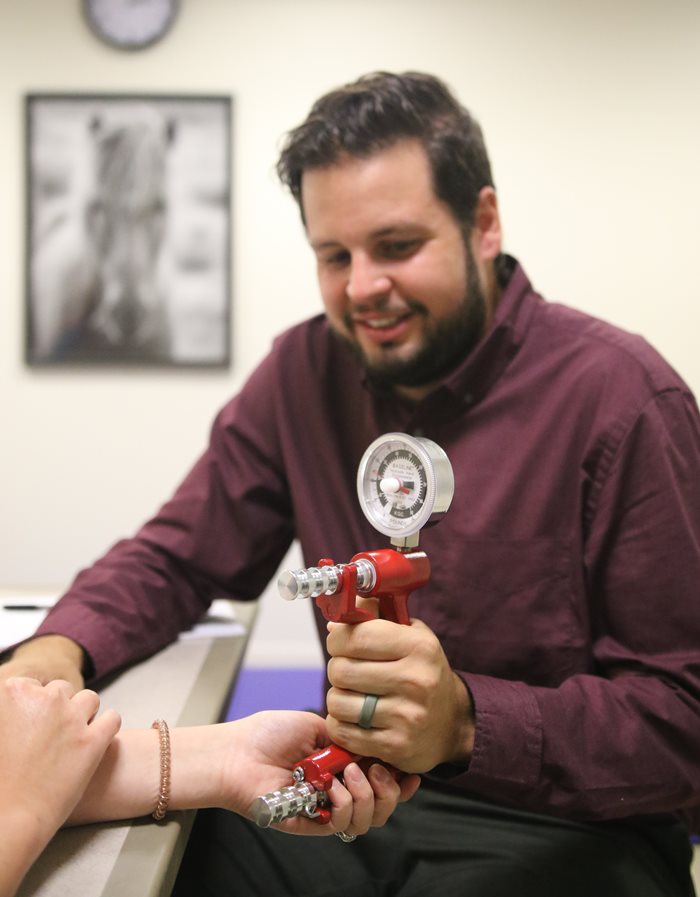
(590, 113)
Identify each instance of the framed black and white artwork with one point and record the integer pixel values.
(128, 230)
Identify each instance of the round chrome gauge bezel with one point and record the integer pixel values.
(394, 458)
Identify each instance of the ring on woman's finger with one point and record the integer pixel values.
(345, 838)
(369, 705)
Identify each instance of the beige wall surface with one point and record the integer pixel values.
(590, 113)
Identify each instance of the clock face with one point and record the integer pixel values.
(130, 24)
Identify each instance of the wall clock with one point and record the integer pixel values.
(130, 24)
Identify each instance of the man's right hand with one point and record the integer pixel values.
(46, 658)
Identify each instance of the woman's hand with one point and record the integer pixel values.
(265, 747)
(51, 746)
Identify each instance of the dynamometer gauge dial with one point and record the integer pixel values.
(402, 481)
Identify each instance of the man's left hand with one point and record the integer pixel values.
(424, 715)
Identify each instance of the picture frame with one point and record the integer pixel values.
(128, 202)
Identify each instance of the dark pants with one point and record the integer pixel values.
(444, 845)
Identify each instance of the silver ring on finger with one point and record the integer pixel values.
(345, 838)
(369, 705)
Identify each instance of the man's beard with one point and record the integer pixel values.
(446, 345)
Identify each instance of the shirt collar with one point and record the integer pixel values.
(485, 364)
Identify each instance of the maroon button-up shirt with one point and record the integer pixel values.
(566, 575)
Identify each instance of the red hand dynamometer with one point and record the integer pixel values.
(403, 482)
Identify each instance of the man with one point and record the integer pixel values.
(549, 684)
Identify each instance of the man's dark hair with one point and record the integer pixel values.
(375, 112)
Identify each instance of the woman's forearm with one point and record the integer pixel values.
(229, 765)
(127, 782)
(22, 838)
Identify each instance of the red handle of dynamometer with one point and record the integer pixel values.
(319, 769)
(397, 574)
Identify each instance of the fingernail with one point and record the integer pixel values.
(381, 775)
(353, 772)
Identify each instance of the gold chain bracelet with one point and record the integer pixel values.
(164, 794)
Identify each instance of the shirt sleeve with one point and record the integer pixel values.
(624, 738)
(221, 534)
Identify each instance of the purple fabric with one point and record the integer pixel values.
(565, 575)
(277, 689)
